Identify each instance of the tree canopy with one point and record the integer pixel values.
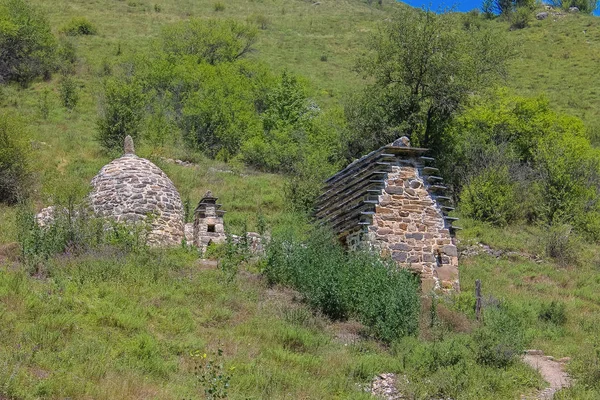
(423, 66)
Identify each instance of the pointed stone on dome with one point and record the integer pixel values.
(208, 194)
(128, 147)
(404, 141)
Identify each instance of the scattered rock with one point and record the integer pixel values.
(542, 15)
(384, 387)
(573, 9)
(480, 248)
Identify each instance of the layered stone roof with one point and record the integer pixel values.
(131, 189)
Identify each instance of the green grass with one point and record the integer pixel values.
(528, 284)
(110, 325)
(107, 327)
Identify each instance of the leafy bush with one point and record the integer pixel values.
(501, 339)
(218, 6)
(79, 26)
(561, 244)
(414, 94)
(210, 41)
(521, 18)
(14, 160)
(73, 230)
(553, 169)
(554, 312)
(585, 6)
(491, 197)
(342, 284)
(260, 20)
(218, 116)
(27, 46)
(67, 55)
(68, 92)
(122, 112)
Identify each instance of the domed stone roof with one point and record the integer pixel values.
(131, 188)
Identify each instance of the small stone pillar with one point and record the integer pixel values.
(208, 222)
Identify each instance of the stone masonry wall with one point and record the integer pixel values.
(131, 189)
(202, 237)
(409, 226)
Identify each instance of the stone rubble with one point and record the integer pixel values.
(383, 386)
(480, 248)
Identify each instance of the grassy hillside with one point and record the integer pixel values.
(135, 326)
(558, 57)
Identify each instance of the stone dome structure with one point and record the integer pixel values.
(131, 189)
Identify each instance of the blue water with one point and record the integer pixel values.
(462, 5)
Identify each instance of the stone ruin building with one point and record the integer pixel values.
(208, 222)
(131, 189)
(392, 200)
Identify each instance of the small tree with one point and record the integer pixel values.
(14, 171)
(424, 67)
(122, 112)
(27, 47)
(210, 41)
(69, 92)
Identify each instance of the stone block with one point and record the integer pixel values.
(394, 189)
(414, 259)
(428, 257)
(399, 256)
(400, 247)
(384, 231)
(450, 250)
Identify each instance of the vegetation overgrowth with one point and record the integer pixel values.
(265, 99)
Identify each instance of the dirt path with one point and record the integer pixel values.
(552, 371)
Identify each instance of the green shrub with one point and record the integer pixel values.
(501, 339)
(68, 92)
(79, 26)
(554, 169)
(260, 20)
(520, 18)
(14, 160)
(554, 312)
(122, 112)
(219, 116)
(67, 54)
(585, 6)
(341, 284)
(218, 6)
(491, 197)
(44, 103)
(561, 244)
(73, 230)
(301, 191)
(27, 45)
(211, 41)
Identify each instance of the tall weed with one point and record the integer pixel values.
(343, 285)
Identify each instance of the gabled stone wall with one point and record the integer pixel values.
(410, 226)
(391, 200)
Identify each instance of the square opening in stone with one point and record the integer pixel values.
(210, 228)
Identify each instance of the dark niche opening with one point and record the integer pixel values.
(210, 228)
